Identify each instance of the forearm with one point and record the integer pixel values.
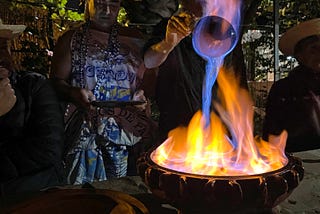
(63, 89)
(81, 97)
(178, 27)
(157, 54)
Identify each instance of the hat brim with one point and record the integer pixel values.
(303, 30)
(15, 30)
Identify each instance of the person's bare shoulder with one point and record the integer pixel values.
(66, 37)
(61, 60)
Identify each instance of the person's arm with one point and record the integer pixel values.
(61, 71)
(178, 27)
(34, 156)
(275, 110)
(44, 125)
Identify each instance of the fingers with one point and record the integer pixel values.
(184, 22)
(175, 26)
(81, 97)
(142, 106)
(5, 33)
(91, 96)
(86, 95)
(139, 96)
(179, 27)
(4, 73)
(4, 82)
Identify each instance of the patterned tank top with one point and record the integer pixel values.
(111, 72)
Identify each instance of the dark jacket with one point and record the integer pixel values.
(179, 86)
(178, 90)
(292, 105)
(31, 138)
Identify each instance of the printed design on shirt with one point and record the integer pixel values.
(110, 80)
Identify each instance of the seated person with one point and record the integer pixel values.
(294, 102)
(31, 128)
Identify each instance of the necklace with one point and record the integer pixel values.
(113, 47)
(80, 51)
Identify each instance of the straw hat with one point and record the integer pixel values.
(15, 30)
(303, 30)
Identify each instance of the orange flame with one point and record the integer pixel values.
(227, 146)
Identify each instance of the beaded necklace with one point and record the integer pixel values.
(113, 48)
(80, 53)
(81, 47)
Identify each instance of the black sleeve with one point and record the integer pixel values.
(275, 109)
(42, 142)
(158, 34)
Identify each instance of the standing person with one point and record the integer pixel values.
(101, 61)
(31, 126)
(293, 103)
(181, 69)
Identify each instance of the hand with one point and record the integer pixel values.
(7, 96)
(179, 27)
(82, 97)
(5, 33)
(139, 96)
(4, 73)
